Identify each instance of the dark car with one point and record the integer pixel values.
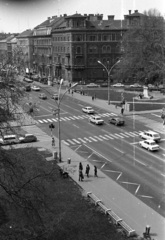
(28, 138)
(42, 96)
(27, 88)
(117, 121)
(104, 85)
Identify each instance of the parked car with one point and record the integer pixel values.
(160, 86)
(28, 138)
(117, 121)
(104, 85)
(136, 85)
(27, 80)
(27, 88)
(44, 80)
(55, 96)
(150, 145)
(92, 85)
(42, 96)
(118, 85)
(88, 110)
(150, 135)
(35, 77)
(9, 139)
(96, 120)
(35, 88)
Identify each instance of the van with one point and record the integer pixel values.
(150, 135)
(9, 139)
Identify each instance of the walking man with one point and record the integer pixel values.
(95, 171)
(87, 170)
(53, 142)
(80, 175)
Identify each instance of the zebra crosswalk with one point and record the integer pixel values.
(105, 137)
(33, 129)
(68, 118)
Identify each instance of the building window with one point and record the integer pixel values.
(104, 49)
(92, 38)
(108, 49)
(90, 61)
(78, 50)
(113, 36)
(94, 49)
(90, 49)
(78, 38)
(105, 38)
(95, 61)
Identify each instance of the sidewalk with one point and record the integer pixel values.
(134, 212)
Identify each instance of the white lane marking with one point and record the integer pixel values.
(40, 121)
(156, 115)
(93, 139)
(75, 117)
(80, 117)
(70, 141)
(98, 138)
(65, 142)
(103, 137)
(113, 136)
(118, 135)
(99, 154)
(67, 118)
(119, 150)
(139, 162)
(55, 120)
(134, 143)
(63, 119)
(72, 118)
(124, 135)
(108, 136)
(76, 141)
(134, 134)
(129, 134)
(87, 139)
(85, 116)
(81, 140)
(75, 125)
(162, 175)
(44, 120)
(49, 120)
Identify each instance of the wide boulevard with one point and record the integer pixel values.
(114, 150)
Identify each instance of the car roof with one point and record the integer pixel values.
(150, 131)
(9, 136)
(28, 135)
(149, 140)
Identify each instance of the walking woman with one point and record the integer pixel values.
(87, 170)
(95, 171)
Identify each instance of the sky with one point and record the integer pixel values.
(19, 15)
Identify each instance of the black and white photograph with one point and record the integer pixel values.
(82, 120)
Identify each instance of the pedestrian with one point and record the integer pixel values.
(122, 110)
(72, 92)
(81, 177)
(80, 166)
(53, 142)
(87, 170)
(92, 98)
(95, 171)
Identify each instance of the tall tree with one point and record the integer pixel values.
(144, 49)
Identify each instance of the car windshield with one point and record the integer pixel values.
(97, 118)
(152, 143)
(89, 108)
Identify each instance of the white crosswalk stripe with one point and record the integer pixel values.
(102, 137)
(74, 117)
(65, 142)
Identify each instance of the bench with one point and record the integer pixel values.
(129, 231)
(104, 207)
(114, 217)
(93, 197)
(63, 173)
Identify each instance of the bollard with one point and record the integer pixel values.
(148, 230)
(69, 160)
(55, 155)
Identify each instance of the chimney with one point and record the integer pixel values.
(65, 15)
(48, 18)
(136, 11)
(129, 12)
(111, 17)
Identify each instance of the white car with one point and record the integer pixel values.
(88, 110)
(118, 85)
(150, 145)
(150, 135)
(96, 120)
(136, 85)
(35, 88)
(92, 85)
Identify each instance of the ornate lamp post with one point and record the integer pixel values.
(109, 75)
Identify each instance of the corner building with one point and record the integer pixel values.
(69, 47)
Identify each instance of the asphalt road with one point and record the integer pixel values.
(112, 149)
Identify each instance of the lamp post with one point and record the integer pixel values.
(58, 109)
(109, 75)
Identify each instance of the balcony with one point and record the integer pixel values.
(58, 65)
(68, 67)
(78, 66)
(78, 55)
(67, 55)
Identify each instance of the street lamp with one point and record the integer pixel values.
(109, 74)
(58, 109)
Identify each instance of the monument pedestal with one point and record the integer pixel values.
(145, 92)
